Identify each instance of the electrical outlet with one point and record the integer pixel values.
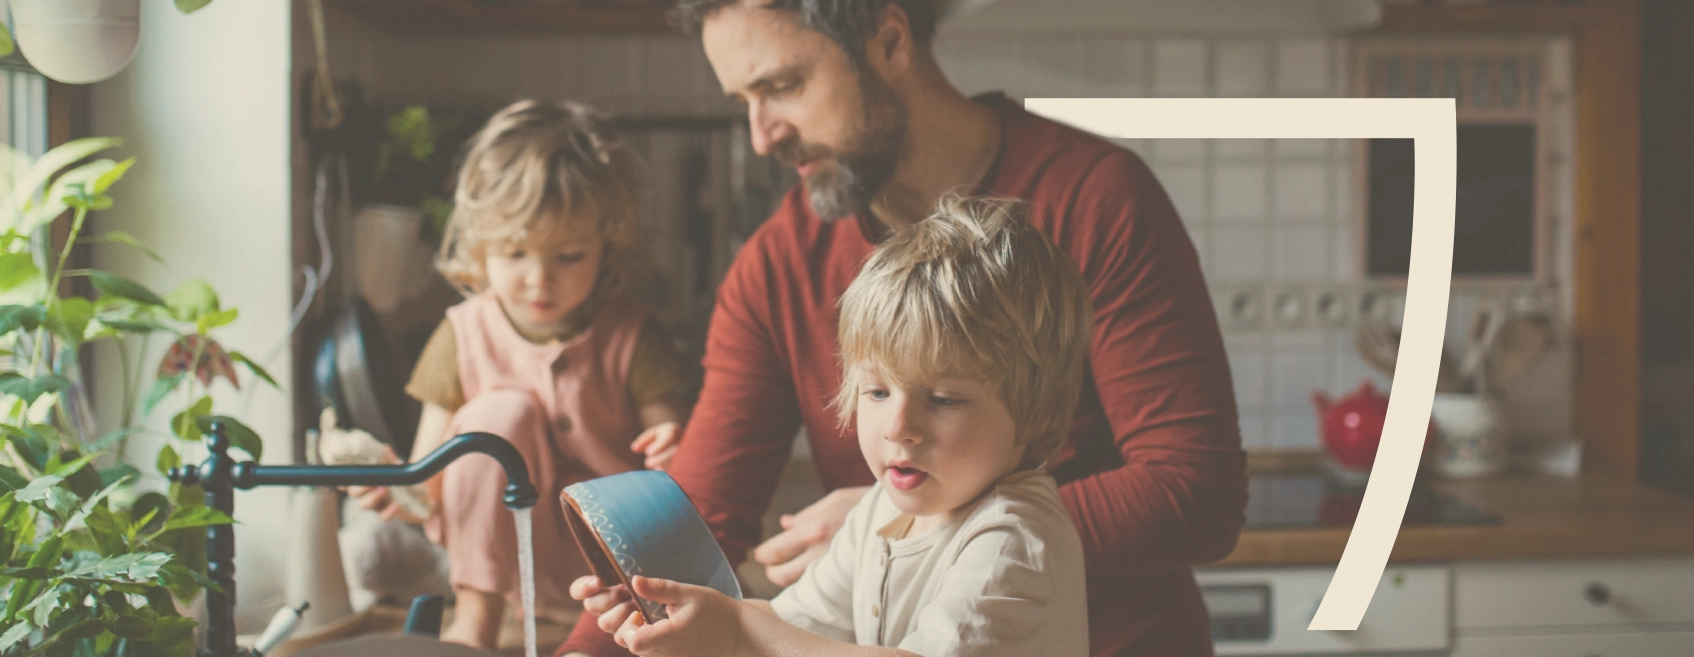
(1330, 307)
(1243, 308)
(1289, 308)
(1376, 304)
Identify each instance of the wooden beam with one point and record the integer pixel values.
(1608, 239)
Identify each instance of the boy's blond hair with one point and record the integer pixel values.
(974, 291)
(535, 163)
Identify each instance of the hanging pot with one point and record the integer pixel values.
(77, 41)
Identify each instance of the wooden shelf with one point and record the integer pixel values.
(460, 16)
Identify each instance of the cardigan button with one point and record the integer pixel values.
(876, 611)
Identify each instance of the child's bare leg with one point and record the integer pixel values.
(476, 618)
(478, 530)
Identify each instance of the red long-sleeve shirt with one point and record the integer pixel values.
(1154, 475)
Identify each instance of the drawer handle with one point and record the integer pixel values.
(1597, 594)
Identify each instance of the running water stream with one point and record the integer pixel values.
(526, 577)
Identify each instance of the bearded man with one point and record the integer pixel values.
(850, 94)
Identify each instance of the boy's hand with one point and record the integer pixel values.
(659, 443)
(611, 604)
(702, 621)
(806, 535)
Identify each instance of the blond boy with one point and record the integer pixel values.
(963, 341)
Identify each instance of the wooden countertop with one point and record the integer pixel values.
(1541, 517)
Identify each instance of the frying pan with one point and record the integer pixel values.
(354, 374)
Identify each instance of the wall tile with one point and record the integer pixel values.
(1303, 68)
(1180, 68)
(1178, 150)
(1295, 431)
(1186, 185)
(1116, 67)
(1301, 253)
(1301, 191)
(1348, 369)
(980, 65)
(1242, 69)
(1238, 192)
(1053, 68)
(1250, 370)
(1200, 236)
(1299, 364)
(1239, 254)
(1346, 264)
(1304, 148)
(1255, 431)
(1344, 196)
(1241, 150)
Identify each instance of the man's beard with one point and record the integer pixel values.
(869, 161)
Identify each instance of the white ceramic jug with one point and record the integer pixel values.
(1471, 439)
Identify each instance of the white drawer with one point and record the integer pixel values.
(1407, 614)
(1567, 593)
(1654, 644)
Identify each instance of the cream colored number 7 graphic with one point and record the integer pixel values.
(1428, 121)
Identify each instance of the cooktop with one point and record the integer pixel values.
(1315, 500)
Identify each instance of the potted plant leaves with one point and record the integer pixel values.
(94, 559)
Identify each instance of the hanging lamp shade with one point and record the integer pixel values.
(77, 41)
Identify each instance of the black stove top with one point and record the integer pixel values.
(1315, 500)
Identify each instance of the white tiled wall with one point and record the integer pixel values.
(1271, 218)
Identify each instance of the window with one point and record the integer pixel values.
(1510, 110)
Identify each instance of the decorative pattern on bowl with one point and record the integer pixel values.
(642, 523)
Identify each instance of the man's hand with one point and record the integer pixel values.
(702, 621)
(806, 535)
(659, 443)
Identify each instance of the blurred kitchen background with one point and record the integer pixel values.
(261, 123)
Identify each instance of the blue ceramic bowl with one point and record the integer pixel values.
(641, 523)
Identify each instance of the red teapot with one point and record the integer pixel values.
(1352, 425)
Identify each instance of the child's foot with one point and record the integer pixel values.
(463, 634)
(476, 619)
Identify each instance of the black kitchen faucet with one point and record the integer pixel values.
(220, 475)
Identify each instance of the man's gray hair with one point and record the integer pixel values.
(849, 23)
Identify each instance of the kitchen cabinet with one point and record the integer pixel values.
(1636, 607)
(1567, 594)
(1661, 644)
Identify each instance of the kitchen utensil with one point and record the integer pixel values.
(1379, 345)
(1523, 340)
(641, 523)
(1485, 325)
(1471, 440)
(354, 374)
(1352, 425)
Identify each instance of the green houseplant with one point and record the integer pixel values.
(81, 573)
